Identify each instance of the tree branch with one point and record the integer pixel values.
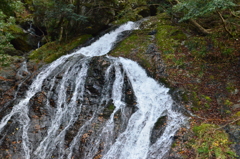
(227, 124)
(224, 24)
(234, 14)
(196, 24)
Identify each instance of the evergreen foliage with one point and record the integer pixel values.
(5, 36)
(54, 15)
(8, 11)
(196, 8)
(6, 8)
(7, 20)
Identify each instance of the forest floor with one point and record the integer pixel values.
(206, 69)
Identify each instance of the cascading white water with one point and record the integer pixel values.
(63, 83)
(153, 102)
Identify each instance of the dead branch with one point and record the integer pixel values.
(227, 124)
(224, 24)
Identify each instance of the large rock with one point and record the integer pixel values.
(234, 133)
(43, 106)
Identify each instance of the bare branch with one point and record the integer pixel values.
(224, 24)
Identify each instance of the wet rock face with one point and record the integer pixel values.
(97, 96)
(14, 81)
(95, 104)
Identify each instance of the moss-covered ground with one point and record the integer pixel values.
(131, 48)
(53, 50)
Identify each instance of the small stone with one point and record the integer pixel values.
(236, 106)
(151, 48)
(235, 92)
(198, 80)
(153, 32)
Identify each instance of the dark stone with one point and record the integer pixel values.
(144, 12)
(20, 44)
(153, 10)
(158, 129)
(153, 32)
(234, 134)
(151, 49)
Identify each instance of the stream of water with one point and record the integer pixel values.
(65, 130)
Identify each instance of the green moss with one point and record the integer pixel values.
(164, 40)
(168, 37)
(130, 48)
(212, 77)
(165, 82)
(174, 145)
(211, 142)
(228, 102)
(5, 60)
(160, 122)
(127, 45)
(205, 47)
(15, 29)
(207, 98)
(195, 100)
(198, 46)
(230, 87)
(53, 50)
(111, 107)
(184, 97)
(43, 52)
(237, 116)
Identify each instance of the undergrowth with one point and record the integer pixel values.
(211, 142)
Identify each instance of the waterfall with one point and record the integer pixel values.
(74, 111)
(39, 44)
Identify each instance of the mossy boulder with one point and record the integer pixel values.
(21, 44)
(130, 48)
(23, 41)
(19, 41)
(53, 50)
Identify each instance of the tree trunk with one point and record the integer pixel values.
(61, 34)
